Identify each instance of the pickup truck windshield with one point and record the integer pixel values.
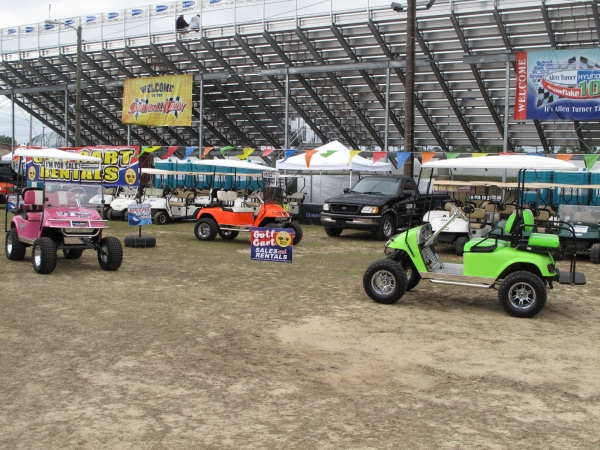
(375, 186)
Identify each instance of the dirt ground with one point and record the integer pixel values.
(194, 345)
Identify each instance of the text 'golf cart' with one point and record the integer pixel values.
(230, 211)
(50, 218)
(521, 266)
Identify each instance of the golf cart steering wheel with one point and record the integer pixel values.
(468, 208)
(77, 192)
(535, 208)
(255, 195)
(459, 212)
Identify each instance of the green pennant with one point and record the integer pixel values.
(224, 149)
(452, 155)
(590, 160)
(328, 153)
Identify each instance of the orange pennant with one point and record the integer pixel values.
(206, 151)
(564, 156)
(308, 154)
(426, 156)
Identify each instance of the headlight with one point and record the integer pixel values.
(369, 210)
(325, 206)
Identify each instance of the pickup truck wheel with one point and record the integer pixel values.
(72, 253)
(44, 255)
(110, 253)
(385, 281)
(14, 248)
(386, 228)
(522, 294)
(595, 254)
(297, 231)
(228, 235)
(206, 229)
(459, 245)
(160, 218)
(333, 232)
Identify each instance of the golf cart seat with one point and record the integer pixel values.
(536, 242)
(33, 203)
(226, 198)
(477, 219)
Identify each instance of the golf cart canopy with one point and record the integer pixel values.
(54, 153)
(517, 162)
(234, 164)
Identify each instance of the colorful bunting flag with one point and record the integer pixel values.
(224, 149)
(308, 154)
(590, 160)
(287, 154)
(353, 153)
(426, 156)
(246, 152)
(206, 151)
(328, 153)
(170, 151)
(476, 154)
(267, 151)
(378, 155)
(149, 149)
(401, 157)
(564, 156)
(452, 155)
(188, 151)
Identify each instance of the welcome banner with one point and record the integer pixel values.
(158, 101)
(558, 85)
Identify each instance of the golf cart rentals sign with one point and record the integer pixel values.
(118, 167)
(158, 101)
(558, 85)
(270, 244)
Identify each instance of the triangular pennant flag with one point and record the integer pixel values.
(401, 157)
(353, 153)
(506, 153)
(564, 156)
(149, 149)
(590, 160)
(426, 156)
(308, 154)
(267, 151)
(378, 155)
(245, 153)
(224, 149)
(170, 151)
(452, 155)
(287, 154)
(188, 151)
(328, 153)
(206, 151)
(478, 154)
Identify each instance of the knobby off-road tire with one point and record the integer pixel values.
(522, 294)
(161, 218)
(595, 254)
(14, 249)
(72, 253)
(110, 253)
(333, 232)
(140, 241)
(228, 235)
(298, 233)
(459, 245)
(206, 229)
(385, 281)
(44, 255)
(386, 228)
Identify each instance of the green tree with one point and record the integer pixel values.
(5, 139)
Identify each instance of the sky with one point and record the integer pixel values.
(25, 12)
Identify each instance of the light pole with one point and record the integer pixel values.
(77, 80)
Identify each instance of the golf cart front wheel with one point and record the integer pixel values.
(14, 248)
(110, 253)
(297, 231)
(228, 234)
(522, 294)
(44, 255)
(206, 229)
(385, 281)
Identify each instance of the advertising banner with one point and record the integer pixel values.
(558, 85)
(158, 101)
(119, 167)
(139, 214)
(270, 244)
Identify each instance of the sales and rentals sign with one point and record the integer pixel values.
(271, 244)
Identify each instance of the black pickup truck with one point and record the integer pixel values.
(379, 203)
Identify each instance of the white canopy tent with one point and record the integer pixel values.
(338, 160)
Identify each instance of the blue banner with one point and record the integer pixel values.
(558, 85)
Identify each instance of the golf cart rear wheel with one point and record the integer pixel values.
(72, 253)
(385, 281)
(14, 248)
(522, 294)
(110, 253)
(297, 231)
(44, 255)
(160, 218)
(228, 234)
(459, 245)
(206, 229)
(595, 254)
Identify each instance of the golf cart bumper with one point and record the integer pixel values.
(568, 277)
(350, 221)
